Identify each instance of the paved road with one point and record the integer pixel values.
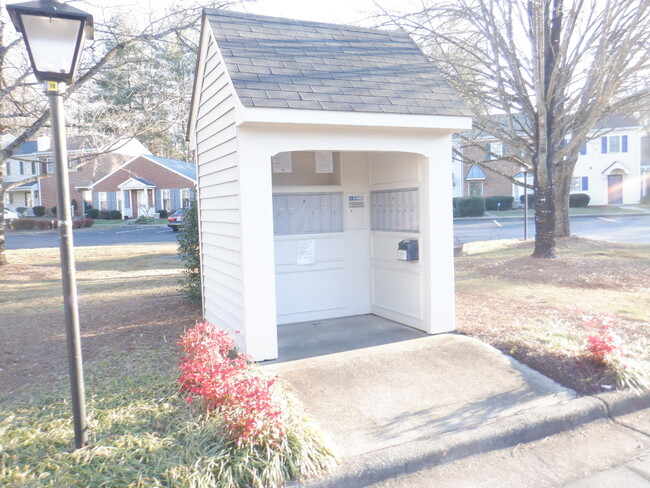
(126, 234)
(634, 229)
(620, 228)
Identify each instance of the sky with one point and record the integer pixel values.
(335, 11)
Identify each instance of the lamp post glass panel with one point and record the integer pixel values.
(54, 34)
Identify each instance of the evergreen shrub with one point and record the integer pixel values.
(470, 206)
(579, 200)
(492, 203)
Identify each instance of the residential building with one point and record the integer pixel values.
(609, 167)
(145, 185)
(33, 160)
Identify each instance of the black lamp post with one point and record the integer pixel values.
(54, 34)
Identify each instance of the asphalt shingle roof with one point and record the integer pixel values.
(283, 63)
(184, 168)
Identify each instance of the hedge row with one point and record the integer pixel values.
(575, 200)
(29, 224)
(94, 213)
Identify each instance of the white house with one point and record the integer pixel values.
(321, 150)
(609, 165)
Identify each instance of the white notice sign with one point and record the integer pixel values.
(281, 163)
(306, 252)
(324, 162)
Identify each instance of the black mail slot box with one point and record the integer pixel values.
(407, 250)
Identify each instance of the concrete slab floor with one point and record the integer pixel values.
(321, 337)
(382, 396)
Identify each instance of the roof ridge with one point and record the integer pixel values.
(285, 20)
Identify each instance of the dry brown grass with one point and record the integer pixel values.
(534, 309)
(128, 299)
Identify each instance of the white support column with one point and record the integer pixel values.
(123, 204)
(438, 236)
(258, 255)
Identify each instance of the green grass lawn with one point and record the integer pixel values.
(116, 223)
(142, 433)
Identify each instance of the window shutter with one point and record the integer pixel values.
(624, 143)
(487, 152)
(585, 183)
(603, 145)
(583, 149)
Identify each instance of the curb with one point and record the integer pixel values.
(526, 427)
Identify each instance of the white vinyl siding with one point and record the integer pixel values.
(218, 175)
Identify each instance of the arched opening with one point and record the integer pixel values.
(340, 221)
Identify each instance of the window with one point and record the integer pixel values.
(103, 200)
(22, 167)
(583, 149)
(9, 198)
(579, 183)
(493, 150)
(8, 169)
(34, 169)
(613, 144)
(166, 204)
(71, 163)
(475, 188)
(185, 198)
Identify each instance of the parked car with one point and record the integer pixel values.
(175, 220)
(9, 214)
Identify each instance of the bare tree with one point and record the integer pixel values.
(122, 46)
(539, 75)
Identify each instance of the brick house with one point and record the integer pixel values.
(34, 159)
(145, 185)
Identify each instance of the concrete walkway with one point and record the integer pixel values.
(394, 408)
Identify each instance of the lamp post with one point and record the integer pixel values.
(54, 34)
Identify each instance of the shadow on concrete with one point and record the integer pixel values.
(321, 337)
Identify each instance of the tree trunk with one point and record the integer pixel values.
(544, 220)
(3, 257)
(563, 180)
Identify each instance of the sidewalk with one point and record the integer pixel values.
(403, 407)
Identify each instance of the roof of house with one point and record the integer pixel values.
(143, 181)
(184, 168)
(29, 147)
(475, 173)
(616, 121)
(283, 63)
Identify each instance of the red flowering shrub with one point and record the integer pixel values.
(601, 340)
(212, 370)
